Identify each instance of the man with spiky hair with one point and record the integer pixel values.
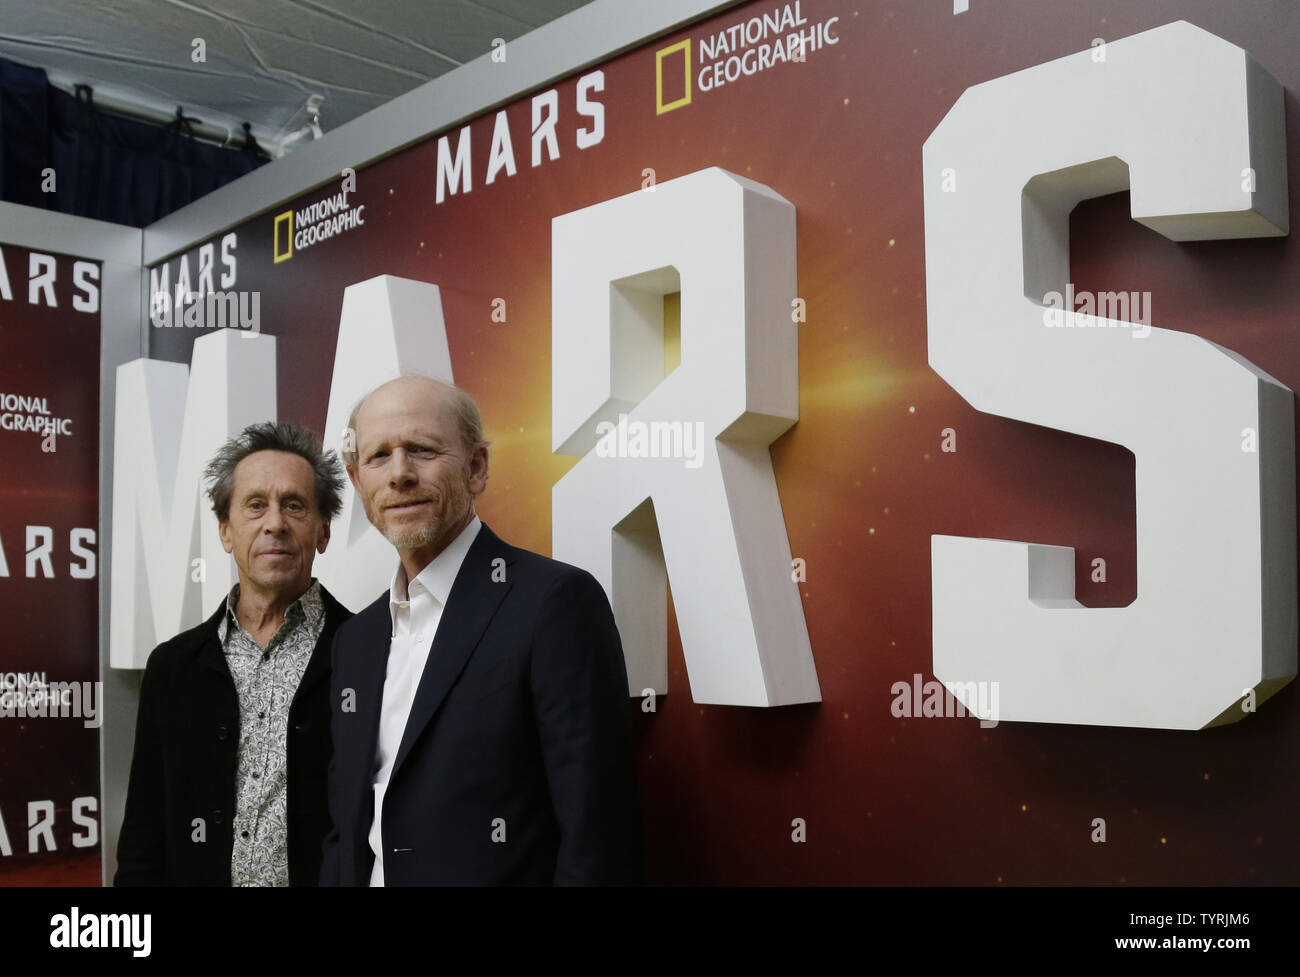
(232, 745)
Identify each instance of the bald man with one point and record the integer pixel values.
(481, 719)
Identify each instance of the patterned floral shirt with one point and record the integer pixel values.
(266, 680)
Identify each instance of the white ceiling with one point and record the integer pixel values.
(264, 58)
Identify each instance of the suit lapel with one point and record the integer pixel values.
(318, 665)
(473, 600)
(374, 636)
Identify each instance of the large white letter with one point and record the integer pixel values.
(1176, 115)
(169, 422)
(453, 175)
(728, 245)
(388, 326)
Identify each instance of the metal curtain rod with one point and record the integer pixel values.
(218, 135)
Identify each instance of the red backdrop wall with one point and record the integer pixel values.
(49, 626)
(861, 477)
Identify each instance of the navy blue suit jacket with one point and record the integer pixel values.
(516, 765)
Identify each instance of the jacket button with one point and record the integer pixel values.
(223, 734)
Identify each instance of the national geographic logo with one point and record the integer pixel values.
(764, 41)
(298, 229)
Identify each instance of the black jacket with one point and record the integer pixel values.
(182, 786)
(517, 765)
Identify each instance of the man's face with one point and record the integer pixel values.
(275, 529)
(413, 474)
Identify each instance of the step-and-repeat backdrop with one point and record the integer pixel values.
(1163, 463)
(49, 568)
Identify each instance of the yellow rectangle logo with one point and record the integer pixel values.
(285, 219)
(660, 106)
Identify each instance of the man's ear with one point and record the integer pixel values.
(226, 540)
(352, 477)
(323, 537)
(478, 469)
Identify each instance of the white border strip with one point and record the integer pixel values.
(587, 36)
(122, 335)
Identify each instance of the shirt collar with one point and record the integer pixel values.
(437, 578)
(306, 610)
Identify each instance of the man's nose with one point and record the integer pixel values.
(401, 471)
(275, 521)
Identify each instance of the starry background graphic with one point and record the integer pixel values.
(862, 479)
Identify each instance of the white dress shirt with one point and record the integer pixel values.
(416, 608)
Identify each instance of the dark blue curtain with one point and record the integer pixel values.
(105, 167)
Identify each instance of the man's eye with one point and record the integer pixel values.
(294, 506)
(256, 505)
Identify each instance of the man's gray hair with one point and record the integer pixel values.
(469, 421)
(273, 436)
